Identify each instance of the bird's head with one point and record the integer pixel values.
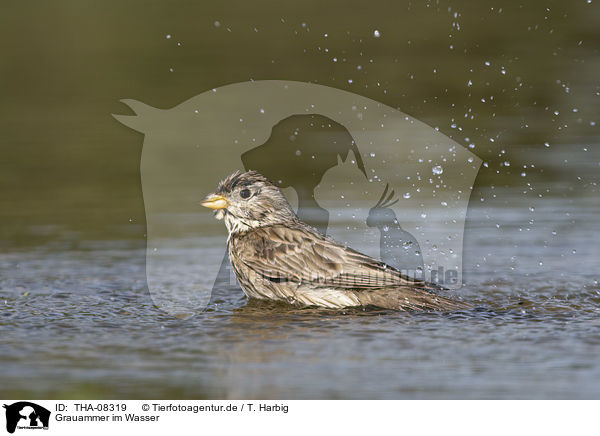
(249, 200)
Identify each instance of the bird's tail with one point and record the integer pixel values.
(410, 299)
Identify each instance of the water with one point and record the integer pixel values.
(515, 84)
(77, 321)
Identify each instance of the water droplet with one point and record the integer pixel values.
(298, 153)
(406, 195)
(437, 170)
(376, 33)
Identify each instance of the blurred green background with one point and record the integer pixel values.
(523, 74)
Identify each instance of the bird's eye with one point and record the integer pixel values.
(245, 193)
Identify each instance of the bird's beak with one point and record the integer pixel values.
(215, 202)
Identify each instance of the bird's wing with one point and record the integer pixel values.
(303, 255)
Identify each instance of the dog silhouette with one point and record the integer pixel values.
(298, 153)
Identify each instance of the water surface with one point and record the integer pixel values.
(77, 321)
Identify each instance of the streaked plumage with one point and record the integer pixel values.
(278, 257)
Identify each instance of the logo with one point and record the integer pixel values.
(26, 415)
(366, 174)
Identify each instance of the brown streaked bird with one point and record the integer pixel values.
(276, 256)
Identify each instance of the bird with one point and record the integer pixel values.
(276, 256)
(398, 247)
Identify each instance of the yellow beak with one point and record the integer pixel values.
(214, 201)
